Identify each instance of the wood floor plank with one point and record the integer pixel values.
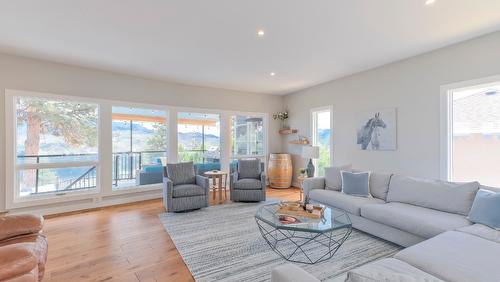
(124, 243)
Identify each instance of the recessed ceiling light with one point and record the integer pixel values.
(429, 2)
(260, 33)
(272, 74)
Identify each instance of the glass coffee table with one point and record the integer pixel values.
(309, 241)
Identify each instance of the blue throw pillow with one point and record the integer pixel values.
(486, 209)
(356, 183)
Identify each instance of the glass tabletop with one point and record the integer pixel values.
(332, 219)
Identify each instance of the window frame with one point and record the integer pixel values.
(13, 199)
(446, 120)
(314, 126)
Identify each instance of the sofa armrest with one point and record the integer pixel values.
(313, 183)
(15, 225)
(203, 182)
(291, 273)
(232, 179)
(263, 181)
(16, 260)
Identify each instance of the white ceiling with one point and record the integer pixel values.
(214, 42)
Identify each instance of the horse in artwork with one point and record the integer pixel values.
(369, 133)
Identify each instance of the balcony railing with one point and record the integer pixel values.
(125, 167)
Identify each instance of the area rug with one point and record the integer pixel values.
(223, 243)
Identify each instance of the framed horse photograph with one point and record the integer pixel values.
(376, 130)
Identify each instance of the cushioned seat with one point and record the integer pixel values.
(351, 204)
(482, 231)
(188, 190)
(248, 184)
(389, 269)
(455, 256)
(416, 220)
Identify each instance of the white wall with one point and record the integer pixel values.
(413, 87)
(35, 75)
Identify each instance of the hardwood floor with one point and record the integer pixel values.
(120, 243)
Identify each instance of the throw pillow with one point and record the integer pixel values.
(486, 209)
(356, 183)
(333, 179)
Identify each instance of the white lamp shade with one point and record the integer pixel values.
(310, 152)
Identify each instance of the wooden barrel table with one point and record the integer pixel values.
(280, 170)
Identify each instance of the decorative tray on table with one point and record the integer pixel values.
(298, 209)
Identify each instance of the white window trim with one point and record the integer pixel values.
(446, 119)
(104, 182)
(313, 128)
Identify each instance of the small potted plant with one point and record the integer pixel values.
(302, 171)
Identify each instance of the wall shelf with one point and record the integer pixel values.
(299, 142)
(288, 131)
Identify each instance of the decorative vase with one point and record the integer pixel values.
(310, 169)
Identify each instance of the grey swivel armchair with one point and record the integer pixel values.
(182, 189)
(248, 182)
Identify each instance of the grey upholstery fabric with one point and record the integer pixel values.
(455, 256)
(434, 194)
(181, 173)
(248, 184)
(185, 196)
(416, 220)
(386, 232)
(351, 204)
(291, 273)
(482, 231)
(249, 168)
(333, 179)
(247, 189)
(389, 269)
(313, 183)
(187, 190)
(379, 185)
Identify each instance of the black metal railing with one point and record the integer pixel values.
(125, 167)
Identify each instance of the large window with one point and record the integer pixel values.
(93, 151)
(56, 146)
(247, 136)
(321, 137)
(139, 146)
(198, 137)
(474, 134)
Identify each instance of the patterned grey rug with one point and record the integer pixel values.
(223, 243)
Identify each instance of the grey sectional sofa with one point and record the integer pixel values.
(427, 216)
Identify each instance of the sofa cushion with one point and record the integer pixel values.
(351, 204)
(420, 221)
(455, 256)
(291, 273)
(434, 194)
(248, 184)
(187, 190)
(249, 168)
(181, 173)
(482, 231)
(486, 209)
(379, 185)
(356, 183)
(333, 179)
(389, 269)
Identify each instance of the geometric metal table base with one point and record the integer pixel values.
(303, 246)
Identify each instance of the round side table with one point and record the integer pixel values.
(214, 175)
